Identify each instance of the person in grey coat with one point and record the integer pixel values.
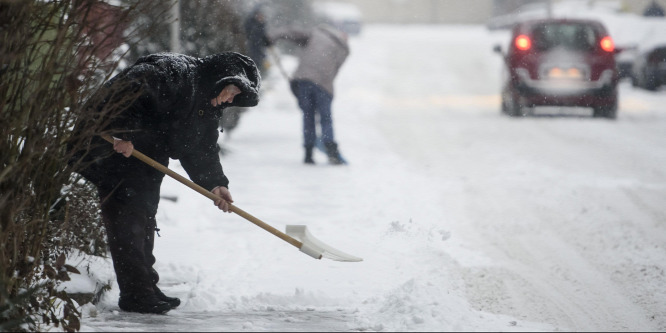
(323, 51)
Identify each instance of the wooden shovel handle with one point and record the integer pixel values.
(275, 56)
(210, 195)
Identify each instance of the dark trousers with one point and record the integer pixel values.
(313, 99)
(128, 213)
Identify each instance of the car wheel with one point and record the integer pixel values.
(505, 108)
(606, 111)
(513, 108)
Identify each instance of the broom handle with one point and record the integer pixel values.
(210, 195)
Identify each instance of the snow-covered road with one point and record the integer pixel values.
(466, 219)
(569, 210)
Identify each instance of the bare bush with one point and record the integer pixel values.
(53, 55)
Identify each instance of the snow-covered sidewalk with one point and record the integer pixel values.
(466, 220)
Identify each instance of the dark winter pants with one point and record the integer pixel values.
(312, 99)
(128, 213)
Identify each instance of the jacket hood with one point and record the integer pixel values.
(219, 70)
(339, 36)
(211, 74)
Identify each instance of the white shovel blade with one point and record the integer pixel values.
(312, 246)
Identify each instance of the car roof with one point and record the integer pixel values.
(532, 22)
(559, 20)
(528, 24)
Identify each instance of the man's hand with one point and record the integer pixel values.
(226, 95)
(123, 147)
(224, 193)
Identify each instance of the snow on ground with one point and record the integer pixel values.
(466, 220)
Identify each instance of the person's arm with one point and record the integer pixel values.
(202, 163)
(208, 170)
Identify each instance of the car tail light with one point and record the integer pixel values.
(607, 44)
(523, 43)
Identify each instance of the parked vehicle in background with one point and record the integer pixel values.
(625, 60)
(649, 67)
(637, 36)
(560, 62)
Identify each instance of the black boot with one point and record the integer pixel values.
(173, 301)
(333, 153)
(308, 155)
(143, 304)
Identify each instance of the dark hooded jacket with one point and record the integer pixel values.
(162, 104)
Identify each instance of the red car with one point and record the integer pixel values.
(560, 62)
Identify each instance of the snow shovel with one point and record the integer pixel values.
(296, 235)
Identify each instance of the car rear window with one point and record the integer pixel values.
(572, 36)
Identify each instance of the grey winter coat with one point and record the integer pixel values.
(324, 50)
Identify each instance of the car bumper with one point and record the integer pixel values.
(567, 92)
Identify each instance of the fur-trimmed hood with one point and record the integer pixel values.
(212, 73)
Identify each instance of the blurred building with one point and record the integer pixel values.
(461, 11)
(423, 11)
(639, 6)
(501, 7)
